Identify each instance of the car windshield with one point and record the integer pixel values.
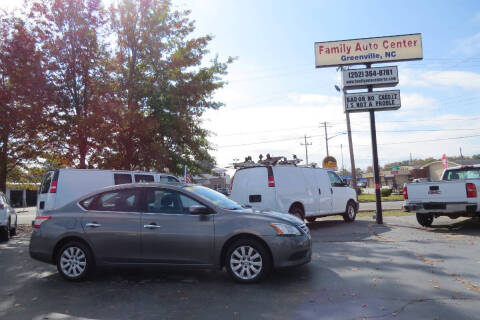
(462, 174)
(213, 196)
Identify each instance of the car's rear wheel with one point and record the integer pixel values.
(297, 211)
(75, 261)
(13, 231)
(5, 232)
(350, 212)
(248, 261)
(425, 220)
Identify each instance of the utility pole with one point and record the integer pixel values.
(326, 137)
(350, 147)
(461, 155)
(306, 147)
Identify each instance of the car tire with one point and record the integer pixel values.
(248, 261)
(5, 232)
(13, 231)
(75, 261)
(350, 212)
(297, 211)
(425, 220)
(311, 219)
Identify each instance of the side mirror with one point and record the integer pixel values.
(199, 210)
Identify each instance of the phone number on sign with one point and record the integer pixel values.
(370, 73)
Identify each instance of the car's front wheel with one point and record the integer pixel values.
(75, 261)
(247, 261)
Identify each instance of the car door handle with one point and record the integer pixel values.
(92, 225)
(151, 226)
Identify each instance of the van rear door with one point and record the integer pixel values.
(251, 186)
(46, 199)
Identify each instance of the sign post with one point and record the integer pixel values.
(367, 51)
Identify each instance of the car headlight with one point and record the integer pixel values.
(285, 229)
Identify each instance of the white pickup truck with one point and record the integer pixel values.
(455, 196)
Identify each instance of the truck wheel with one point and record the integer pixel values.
(297, 211)
(350, 213)
(425, 220)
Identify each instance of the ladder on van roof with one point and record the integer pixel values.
(268, 161)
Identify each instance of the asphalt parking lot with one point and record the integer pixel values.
(359, 271)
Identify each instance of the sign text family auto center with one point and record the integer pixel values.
(367, 51)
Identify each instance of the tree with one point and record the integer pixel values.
(163, 89)
(72, 32)
(24, 96)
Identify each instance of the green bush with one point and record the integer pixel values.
(385, 192)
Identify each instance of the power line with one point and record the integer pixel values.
(421, 141)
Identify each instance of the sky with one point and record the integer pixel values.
(275, 95)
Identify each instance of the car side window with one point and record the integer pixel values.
(187, 202)
(335, 179)
(118, 200)
(144, 178)
(163, 201)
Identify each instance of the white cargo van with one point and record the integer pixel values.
(305, 192)
(61, 186)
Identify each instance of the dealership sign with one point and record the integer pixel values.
(366, 101)
(368, 50)
(375, 77)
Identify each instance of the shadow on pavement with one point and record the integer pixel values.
(470, 227)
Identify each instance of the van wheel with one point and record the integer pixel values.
(75, 261)
(297, 211)
(350, 213)
(248, 261)
(425, 220)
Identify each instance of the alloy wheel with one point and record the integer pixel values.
(246, 263)
(73, 262)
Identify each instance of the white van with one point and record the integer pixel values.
(305, 192)
(61, 186)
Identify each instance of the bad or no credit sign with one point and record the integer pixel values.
(366, 101)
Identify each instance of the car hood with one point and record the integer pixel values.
(276, 215)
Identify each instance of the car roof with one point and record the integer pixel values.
(171, 185)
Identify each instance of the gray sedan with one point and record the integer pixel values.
(164, 224)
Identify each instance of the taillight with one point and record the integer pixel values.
(53, 187)
(405, 193)
(271, 179)
(39, 220)
(471, 190)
